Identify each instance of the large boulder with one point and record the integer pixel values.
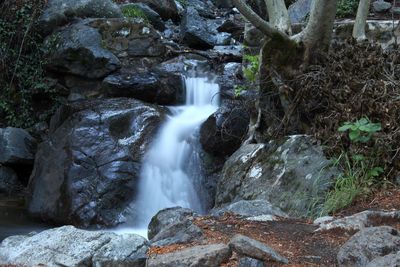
(60, 12)
(69, 246)
(163, 89)
(17, 146)
(167, 217)
(369, 244)
(79, 51)
(390, 260)
(222, 133)
(87, 171)
(199, 256)
(292, 174)
(250, 208)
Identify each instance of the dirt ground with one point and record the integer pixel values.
(294, 239)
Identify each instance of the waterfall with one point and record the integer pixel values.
(166, 178)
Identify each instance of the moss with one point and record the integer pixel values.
(131, 11)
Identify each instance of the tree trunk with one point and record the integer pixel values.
(278, 15)
(361, 19)
(317, 35)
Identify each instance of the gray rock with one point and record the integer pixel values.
(129, 38)
(251, 208)
(9, 182)
(17, 146)
(224, 3)
(391, 260)
(164, 89)
(166, 8)
(255, 249)
(198, 256)
(396, 10)
(199, 32)
(369, 244)
(222, 133)
(250, 262)
(87, 171)
(166, 218)
(69, 246)
(357, 221)
(178, 233)
(79, 51)
(299, 10)
(60, 12)
(380, 6)
(152, 16)
(292, 175)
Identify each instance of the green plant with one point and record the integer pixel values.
(347, 8)
(360, 131)
(131, 11)
(359, 171)
(22, 61)
(250, 73)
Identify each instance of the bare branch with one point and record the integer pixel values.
(278, 15)
(257, 21)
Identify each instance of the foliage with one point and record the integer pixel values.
(131, 11)
(22, 74)
(347, 8)
(361, 130)
(250, 72)
(359, 171)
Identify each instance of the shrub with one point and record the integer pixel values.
(22, 74)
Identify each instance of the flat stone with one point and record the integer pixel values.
(255, 249)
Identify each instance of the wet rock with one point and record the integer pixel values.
(222, 133)
(166, 218)
(87, 171)
(69, 246)
(9, 182)
(357, 221)
(390, 260)
(166, 8)
(380, 6)
(255, 249)
(129, 38)
(163, 89)
(198, 256)
(299, 10)
(369, 244)
(291, 175)
(199, 32)
(235, 26)
(250, 262)
(223, 3)
(229, 53)
(17, 146)
(79, 51)
(152, 16)
(250, 208)
(60, 12)
(230, 78)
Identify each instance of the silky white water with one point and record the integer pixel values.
(166, 180)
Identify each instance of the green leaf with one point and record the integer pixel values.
(344, 128)
(376, 171)
(354, 135)
(363, 121)
(358, 157)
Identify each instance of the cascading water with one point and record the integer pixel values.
(166, 178)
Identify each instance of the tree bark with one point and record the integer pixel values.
(318, 33)
(264, 26)
(279, 16)
(361, 19)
